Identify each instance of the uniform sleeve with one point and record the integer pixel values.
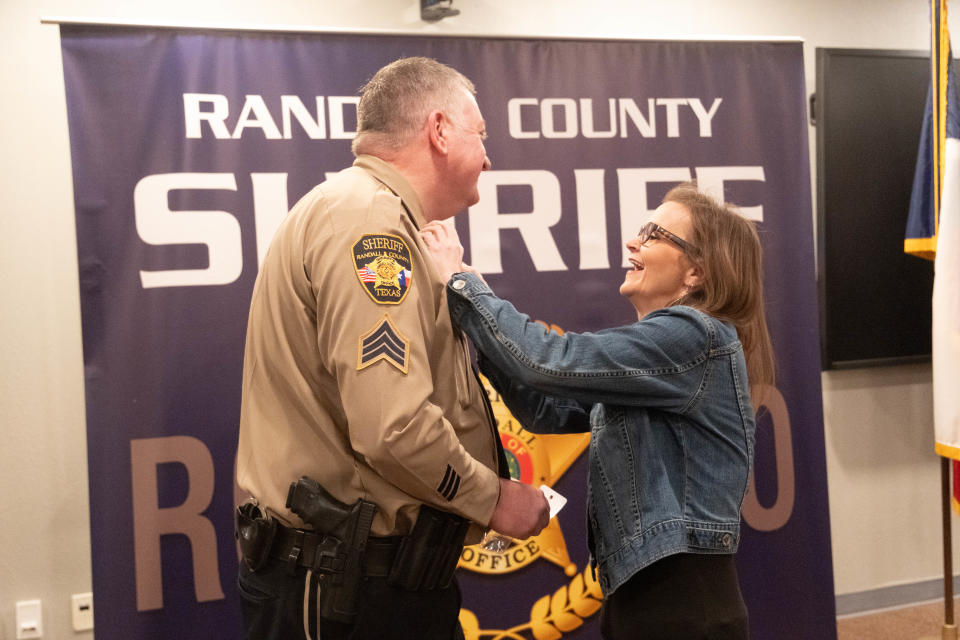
(378, 333)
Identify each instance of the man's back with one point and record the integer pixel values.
(353, 374)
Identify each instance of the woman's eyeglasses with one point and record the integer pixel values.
(653, 231)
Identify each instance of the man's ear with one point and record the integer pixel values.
(437, 128)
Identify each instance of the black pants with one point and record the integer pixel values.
(275, 607)
(681, 597)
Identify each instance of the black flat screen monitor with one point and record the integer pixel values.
(874, 299)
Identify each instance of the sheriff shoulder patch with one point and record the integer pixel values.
(383, 342)
(382, 262)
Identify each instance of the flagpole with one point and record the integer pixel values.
(949, 631)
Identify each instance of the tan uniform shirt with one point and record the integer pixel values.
(353, 374)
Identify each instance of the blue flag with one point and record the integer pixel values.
(920, 238)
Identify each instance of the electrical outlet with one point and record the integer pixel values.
(81, 608)
(29, 620)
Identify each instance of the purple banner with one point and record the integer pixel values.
(188, 149)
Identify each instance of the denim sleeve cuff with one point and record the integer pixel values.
(462, 288)
(467, 285)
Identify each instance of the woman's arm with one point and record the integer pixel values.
(535, 411)
(658, 362)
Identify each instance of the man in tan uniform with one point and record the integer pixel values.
(354, 377)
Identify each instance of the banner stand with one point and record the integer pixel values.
(188, 148)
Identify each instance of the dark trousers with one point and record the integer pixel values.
(280, 606)
(688, 596)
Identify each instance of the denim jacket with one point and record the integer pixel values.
(668, 405)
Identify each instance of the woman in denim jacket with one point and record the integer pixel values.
(667, 400)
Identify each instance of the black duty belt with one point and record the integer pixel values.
(302, 548)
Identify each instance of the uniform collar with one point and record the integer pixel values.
(389, 176)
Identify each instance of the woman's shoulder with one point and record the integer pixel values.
(693, 323)
(680, 314)
(682, 332)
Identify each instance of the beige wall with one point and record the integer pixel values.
(883, 476)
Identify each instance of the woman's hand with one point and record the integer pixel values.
(443, 245)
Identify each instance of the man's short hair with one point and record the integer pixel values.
(395, 102)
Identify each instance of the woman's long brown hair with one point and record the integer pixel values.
(731, 289)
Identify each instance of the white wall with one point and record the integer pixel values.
(883, 475)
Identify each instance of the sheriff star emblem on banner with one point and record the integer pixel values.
(535, 459)
(382, 262)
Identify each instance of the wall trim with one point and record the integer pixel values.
(223, 26)
(901, 595)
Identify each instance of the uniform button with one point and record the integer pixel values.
(726, 540)
(459, 284)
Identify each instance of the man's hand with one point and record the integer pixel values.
(522, 511)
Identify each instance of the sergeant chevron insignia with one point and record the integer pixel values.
(383, 342)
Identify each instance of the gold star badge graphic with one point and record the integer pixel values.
(534, 459)
(387, 271)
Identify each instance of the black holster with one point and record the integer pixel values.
(346, 529)
(254, 532)
(428, 556)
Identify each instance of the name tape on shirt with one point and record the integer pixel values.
(383, 266)
(383, 342)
